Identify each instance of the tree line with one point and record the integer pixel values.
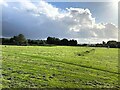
(21, 40)
(108, 44)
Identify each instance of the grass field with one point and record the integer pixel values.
(59, 67)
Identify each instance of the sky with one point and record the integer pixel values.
(87, 22)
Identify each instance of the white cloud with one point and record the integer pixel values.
(3, 2)
(47, 9)
(43, 19)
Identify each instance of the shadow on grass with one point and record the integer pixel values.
(50, 59)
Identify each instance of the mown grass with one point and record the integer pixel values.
(59, 67)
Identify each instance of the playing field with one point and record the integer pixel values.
(59, 67)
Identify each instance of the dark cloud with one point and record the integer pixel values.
(43, 20)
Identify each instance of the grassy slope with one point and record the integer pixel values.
(59, 66)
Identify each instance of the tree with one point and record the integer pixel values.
(64, 42)
(21, 40)
(53, 40)
(18, 40)
(56, 41)
(14, 40)
(104, 44)
(49, 40)
(112, 44)
(73, 42)
(6, 41)
(118, 44)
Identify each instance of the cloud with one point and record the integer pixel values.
(3, 2)
(40, 20)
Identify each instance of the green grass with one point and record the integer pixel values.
(59, 67)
